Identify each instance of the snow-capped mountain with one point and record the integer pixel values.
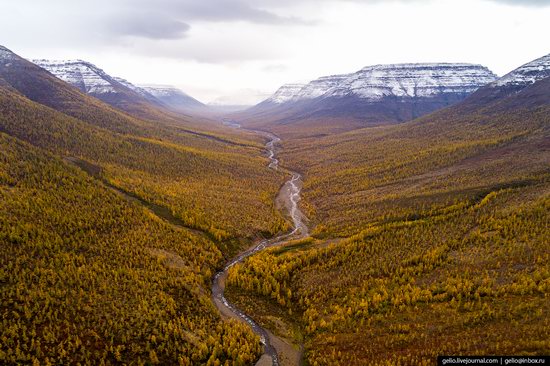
(412, 80)
(84, 75)
(319, 87)
(397, 80)
(117, 91)
(137, 89)
(286, 93)
(42, 87)
(379, 93)
(92, 80)
(527, 74)
(172, 97)
(513, 82)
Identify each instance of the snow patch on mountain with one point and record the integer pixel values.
(160, 91)
(6, 54)
(413, 80)
(527, 74)
(398, 80)
(320, 87)
(84, 75)
(129, 85)
(286, 93)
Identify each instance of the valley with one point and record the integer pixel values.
(290, 194)
(381, 217)
(417, 240)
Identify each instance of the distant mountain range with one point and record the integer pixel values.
(173, 97)
(116, 91)
(376, 94)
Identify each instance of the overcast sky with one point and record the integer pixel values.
(239, 51)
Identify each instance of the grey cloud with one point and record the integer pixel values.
(221, 11)
(169, 19)
(158, 19)
(223, 52)
(152, 27)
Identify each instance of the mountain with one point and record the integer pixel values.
(42, 87)
(286, 93)
(376, 94)
(145, 102)
(527, 74)
(172, 97)
(84, 75)
(93, 81)
(513, 82)
(141, 91)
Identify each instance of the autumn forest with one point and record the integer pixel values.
(136, 233)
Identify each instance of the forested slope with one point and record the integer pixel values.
(111, 228)
(87, 277)
(165, 173)
(473, 280)
(389, 173)
(430, 238)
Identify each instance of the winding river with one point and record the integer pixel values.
(290, 192)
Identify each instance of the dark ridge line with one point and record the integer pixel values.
(215, 138)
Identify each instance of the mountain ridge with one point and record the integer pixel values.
(512, 82)
(432, 76)
(374, 95)
(113, 90)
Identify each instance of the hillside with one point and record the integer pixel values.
(89, 277)
(429, 238)
(142, 102)
(125, 221)
(136, 116)
(165, 165)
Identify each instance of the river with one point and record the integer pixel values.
(290, 192)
